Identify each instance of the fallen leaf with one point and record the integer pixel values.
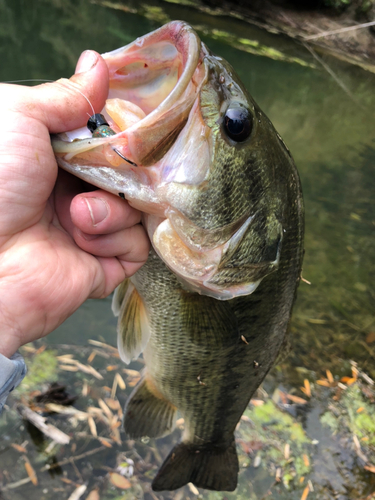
(307, 388)
(324, 383)
(370, 338)
(306, 491)
(120, 382)
(105, 408)
(93, 495)
(193, 489)
(296, 399)
(110, 368)
(119, 481)
(306, 460)
(92, 426)
(360, 409)
(113, 404)
(18, 447)
(370, 468)
(131, 373)
(31, 473)
(348, 380)
(330, 377)
(77, 493)
(257, 402)
(69, 368)
(91, 358)
(105, 442)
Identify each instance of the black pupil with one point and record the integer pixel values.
(238, 123)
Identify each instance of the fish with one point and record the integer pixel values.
(222, 204)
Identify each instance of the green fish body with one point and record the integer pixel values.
(223, 206)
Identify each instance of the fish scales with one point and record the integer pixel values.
(222, 204)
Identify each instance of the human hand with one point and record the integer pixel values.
(58, 245)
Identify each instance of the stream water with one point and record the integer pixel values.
(328, 124)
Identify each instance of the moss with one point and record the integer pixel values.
(352, 415)
(41, 369)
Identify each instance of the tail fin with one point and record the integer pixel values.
(211, 467)
(147, 413)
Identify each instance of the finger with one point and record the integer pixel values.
(99, 212)
(66, 104)
(128, 245)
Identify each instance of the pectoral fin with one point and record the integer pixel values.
(147, 412)
(133, 330)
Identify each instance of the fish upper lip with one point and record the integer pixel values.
(145, 137)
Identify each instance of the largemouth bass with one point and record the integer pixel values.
(223, 207)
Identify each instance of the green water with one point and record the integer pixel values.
(331, 135)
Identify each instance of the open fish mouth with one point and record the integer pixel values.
(153, 83)
(160, 151)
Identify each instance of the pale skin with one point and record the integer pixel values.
(59, 243)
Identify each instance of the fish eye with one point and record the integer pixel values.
(238, 122)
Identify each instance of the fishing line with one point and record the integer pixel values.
(52, 81)
(89, 102)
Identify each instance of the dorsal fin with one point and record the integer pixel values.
(133, 330)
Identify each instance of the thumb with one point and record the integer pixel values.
(67, 104)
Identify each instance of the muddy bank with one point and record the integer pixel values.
(313, 26)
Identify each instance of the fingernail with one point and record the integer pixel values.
(87, 60)
(98, 209)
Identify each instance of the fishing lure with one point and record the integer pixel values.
(99, 127)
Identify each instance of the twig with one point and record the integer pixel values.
(72, 459)
(340, 30)
(40, 422)
(12, 486)
(332, 73)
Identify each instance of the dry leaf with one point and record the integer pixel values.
(105, 408)
(31, 473)
(93, 495)
(360, 409)
(110, 368)
(119, 481)
(105, 442)
(348, 380)
(296, 399)
(77, 493)
(92, 426)
(68, 481)
(324, 383)
(89, 370)
(40, 350)
(131, 373)
(113, 404)
(370, 338)
(306, 460)
(306, 491)
(102, 344)
(307, 388)
(257, 402)
(18, 447)
(67, 359)
(330, 377)
(91, 358)
(193, 489)
(370, 468)
(120, 382)
(69, 368)
(287, 451)
(85, 389)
